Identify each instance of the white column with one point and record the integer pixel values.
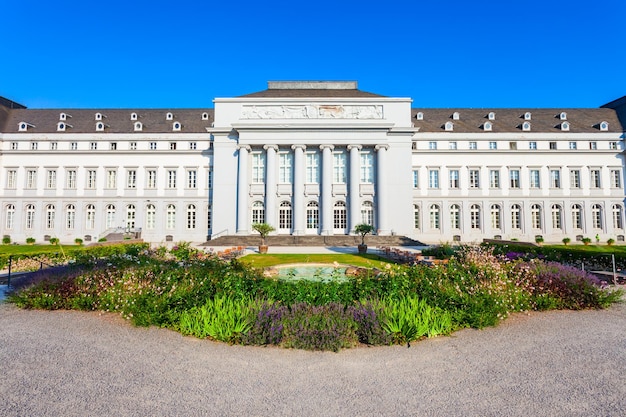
(381, 190)
(242, 191)
(353, 187)
(270, 185)
(327, 189)
(298, 209)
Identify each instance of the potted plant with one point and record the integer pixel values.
(6, 240)
(610, 241)
(363, 229)
(78, 241)
(54, 240)
(586, 240)
(30, 240)
(263, 229)
(566, 240)
(539, 239)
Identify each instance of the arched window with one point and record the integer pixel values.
(209, 217)
(557, 216)
(416, 216)
(434, 214)
(475, 216)
(130, 216)
(150, 216)
(312, 215)
(516, 216)
(496, 220)
(455, 216)
(535, 216)
(618, 222)
(285, 219)
(170, 217)
(596, 216)
(577, 216)
(191, 216)
(30, 216)
(70, 217)
(258, 212)
(50, 215)
(90, 217)
(340, 219)
(10, 216)
(110, 216)
(367, 213)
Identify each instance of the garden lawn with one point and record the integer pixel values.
(364, 260)
(36, 249)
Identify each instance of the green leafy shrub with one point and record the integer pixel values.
(267, 326)
(369, 328)
(566, 240)
(54, 240)
(30, 240)
(6, 240)
(78, 241)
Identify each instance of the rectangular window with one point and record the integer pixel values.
(258, 168)
(172, 146)
(612, 145)
(473, 145)
(209, 176)
(285, 162)
(153, 146)
(171, 178)
(555, 178)
(494, 178)
(493, 145)
(91, 179)
(416, 179)
(452, 145)
(474, 178)
(616, 178)
(51, 178)
(553, 145)
(514, 178)
(70, 179)
(14, 146)
(312, 168)
(93, 146)
(151, 179)
(193, 146)
(54, 146)
(513, 146)
(339, 168)
(367, 168)
(432, 145)
(111, 179)
(595, 178)
(455, 182)
(574, 178)
(34, 146)
(12, 179)
(433, 178)
(192, 178)
(535, 179)
(572, 145)
(593, 145)
(73, 146)
(532, 145)
(113, 146)
(131, 178)
(31, 179)
(132, 146)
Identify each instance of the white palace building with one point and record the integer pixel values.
(312, 158)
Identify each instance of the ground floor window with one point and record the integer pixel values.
(312, 215)
(367, 213)
(340, 219)
(191, 216)
(285, 218)
(150, 217)
(258, 212)
(416, 216)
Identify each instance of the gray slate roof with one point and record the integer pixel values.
(317, 93)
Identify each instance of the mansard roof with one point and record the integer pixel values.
(313, 89)
(510, 120)
(115, 120)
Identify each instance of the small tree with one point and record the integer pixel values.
(363, 229)
(610, 241)
(30, 240)
(566, 240)
(78, 241)
(54, 240)
(263, 229)
(6, 240)
(586, 240)
(539, 239)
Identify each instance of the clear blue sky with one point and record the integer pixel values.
(459, 53)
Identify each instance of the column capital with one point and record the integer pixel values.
(274, 147)
(379, 147)
(244, 147)
(357, 147)
(294, 147)
(331, 147)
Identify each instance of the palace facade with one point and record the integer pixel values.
(312, 158)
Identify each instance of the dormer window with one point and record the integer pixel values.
(205, 116)
(487, 126)
(527, 115)
(169, 116)
(563, 116)
(64, 116)
(99, 127)
(449, 126)
(133, 116)
(526, 126)
(565, 126)
(604, 126)
(138, 127)
(23, 126)
(491, 116)
(62, 127)
(100, 116)
(419, 116)
(455, 115)
(176, 127)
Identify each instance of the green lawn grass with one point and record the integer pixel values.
(265, 260)
(617, 249)
(34, 249)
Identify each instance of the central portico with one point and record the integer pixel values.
(312, 158)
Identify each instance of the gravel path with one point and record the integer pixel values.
(68, 363)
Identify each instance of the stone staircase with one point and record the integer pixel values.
(312, 240)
